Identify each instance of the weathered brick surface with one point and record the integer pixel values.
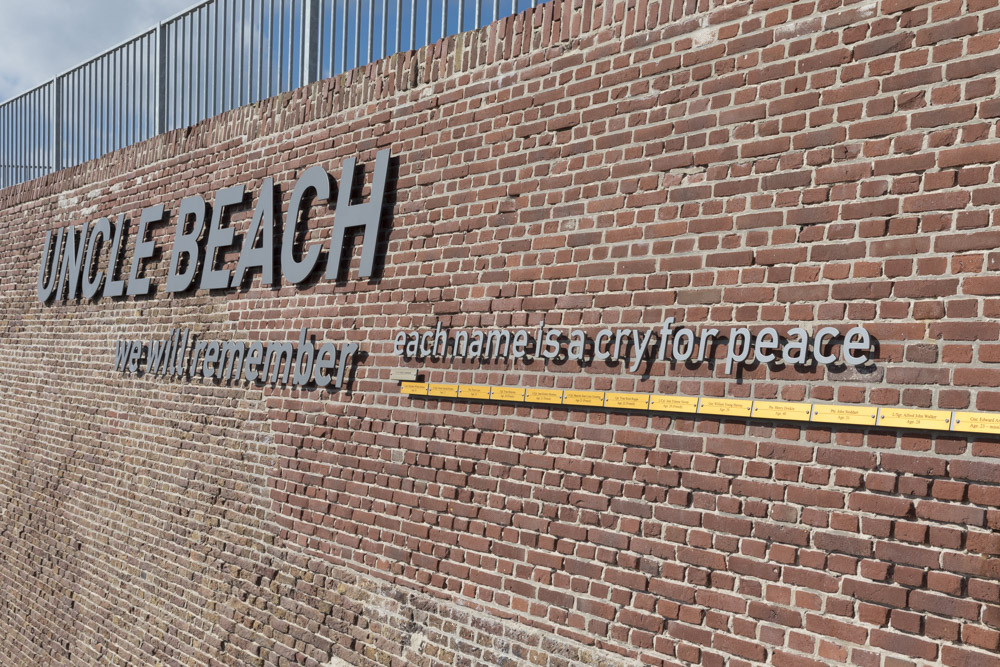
(582, 164)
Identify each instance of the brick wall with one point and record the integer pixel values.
(583, 164)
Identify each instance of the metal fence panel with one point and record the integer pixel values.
(214, 56)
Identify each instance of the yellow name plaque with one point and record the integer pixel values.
(781, 410)
(861, 415)
(445, 390)
(473, 391)
(627, 401)
(905, 418)
(977, 422)
(418, 388)
(594, 398)
(544, 396)
(729, 407)
(507, 393)
(688, 404)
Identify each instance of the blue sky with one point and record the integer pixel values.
(43, 38)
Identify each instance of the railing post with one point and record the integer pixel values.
(55, 157)
(160, 107)
(309, 70)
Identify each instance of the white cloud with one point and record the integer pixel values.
(40, 39)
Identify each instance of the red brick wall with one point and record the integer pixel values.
(584, 164)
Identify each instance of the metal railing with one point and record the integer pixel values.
(217, 55)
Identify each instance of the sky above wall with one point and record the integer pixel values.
(43, 38)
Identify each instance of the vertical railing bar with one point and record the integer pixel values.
(270, 47)
(427, 28)
(288, 8)
(19, 140)
(178, 63)
(201, 54)
(233, 59)
(208, 77)
(86, 99)
(119, 117)
(160, 104)
(320, 34)
(4, 146)
(102, 109)
(461, 15)
(303, 45)
(191, 80)
(250, 52)
(242, 52)
(496, 9)
(34, 116)
(479, 13)
(346, 4)
(399, 21)
(188, 52)
(126, 97)
(413, 24)
(114, 96)
(194, 64)
(200, 45)
(128, 105)
(357, 33)
(31, 139)
(19, 152)
(371, 30)
(385, 29)
(81, 99)
(95, 102)
(69, 120)
(87, 92)
(26, 136)
(111, 99)
(260, 52)
(151, 73)
(229, 51)
(220, 48)
(22, 139)
(272, 34)
(56, 146)
(310, 38)
(105, 77)
(281, 46)
(333, 35)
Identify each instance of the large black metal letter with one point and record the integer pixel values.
(365, 215)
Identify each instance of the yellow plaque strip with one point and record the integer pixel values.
(418, 388)
(688, 404)
(729, 407)
(507, 393)
(591, 398)
(444, 390)
(858, 415)
(627, 401)
(976, 422)
(939, 420)
(535, 395)
(782, 410)
(473, 391)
